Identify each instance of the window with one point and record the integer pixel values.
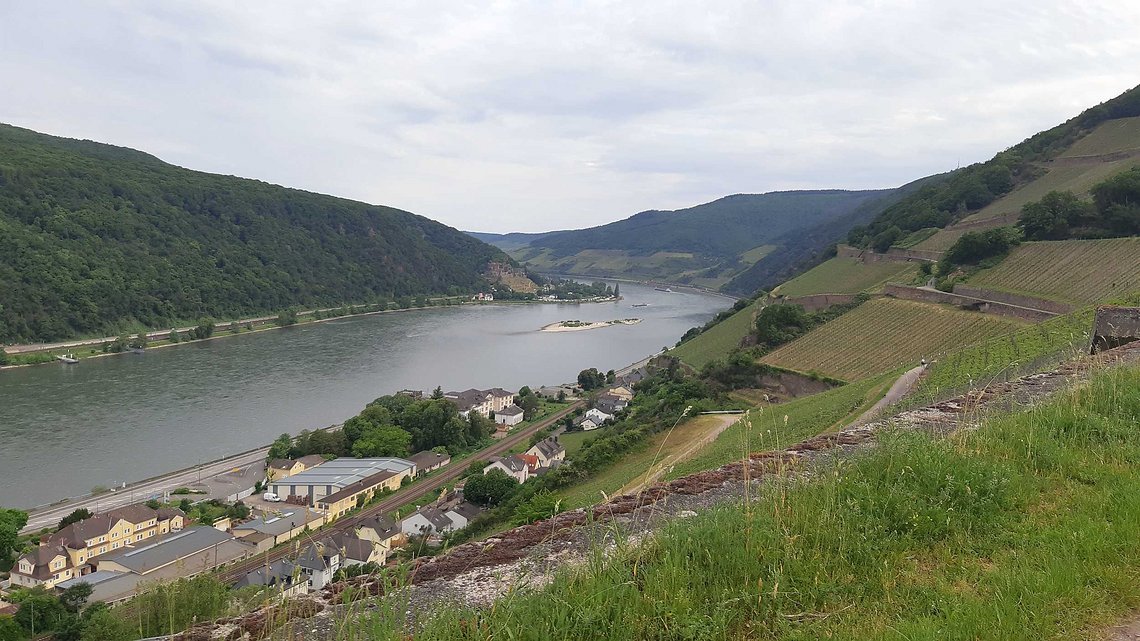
(114, 546)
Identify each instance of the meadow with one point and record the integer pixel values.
(885, 333)
(718, 340)
(847, 276)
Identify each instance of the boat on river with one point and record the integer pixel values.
(67, 358)
(640, 305)
(663, 289)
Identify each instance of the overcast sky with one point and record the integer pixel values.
(535, 116)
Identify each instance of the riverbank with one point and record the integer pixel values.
(578, 326)
(48, 354)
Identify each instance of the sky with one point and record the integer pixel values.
(532, 116)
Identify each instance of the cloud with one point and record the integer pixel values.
(531, 116)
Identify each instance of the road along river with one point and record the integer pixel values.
(65, 429)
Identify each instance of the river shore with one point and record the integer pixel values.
(246, 326)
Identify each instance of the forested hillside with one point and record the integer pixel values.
(704, 245)
(98, 239)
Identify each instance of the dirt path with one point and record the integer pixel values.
(899, 389)
(662, 465)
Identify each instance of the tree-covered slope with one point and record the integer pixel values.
(96, 239)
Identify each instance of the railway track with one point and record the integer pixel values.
(399, 499)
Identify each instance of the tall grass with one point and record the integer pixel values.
(1023, 529)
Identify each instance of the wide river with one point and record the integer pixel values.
(66, 429)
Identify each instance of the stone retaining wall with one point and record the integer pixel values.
(966, 302)
(893, 255)
(1014, 299)
(815, 302)
(1115, 326)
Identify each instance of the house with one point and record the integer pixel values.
(314, 484)
(280, 468)
(282, 574)
(462, 514)
(196, 549)
(513, 466)
(428, 461)
(510, 415)
(483, 296)
(411, 393)
(621, 392)
(310, 461)
(382, 532)
(548, 451)
(634, 377)
(354, 550)
(318, 563)
(357, 494)
(552, 391)
(609, 404)
(585, 423)
(271, 530)
(598, 416)
(426, 521)
(69, 552)
(482, 402)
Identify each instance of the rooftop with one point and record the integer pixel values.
(359, 486)
(344, 471)
(279, 524)
(426, 459)
(167, 549)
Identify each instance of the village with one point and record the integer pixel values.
(307, 507)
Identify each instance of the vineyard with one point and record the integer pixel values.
(1031, 349)
(718, 341)
(883, 334)
(1072, 271)
(847, 276)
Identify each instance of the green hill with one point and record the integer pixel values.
(847, 276)
(706, 245)
(1070, 271)
(95, 239)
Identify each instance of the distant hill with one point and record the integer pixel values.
(97, 239)
(705, 245)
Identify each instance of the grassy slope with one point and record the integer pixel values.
(719, 340)
(847, 276)
(1073, 271)
(883, 334)
(765, 428)
(662, 446)
(1110, 137)
(1024, 529)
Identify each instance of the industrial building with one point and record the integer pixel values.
(329, 478)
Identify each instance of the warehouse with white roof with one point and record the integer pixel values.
(314, 484)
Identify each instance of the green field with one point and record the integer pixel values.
(847, 276)
(573, 441)
(717, 341)
(883, 334)
(1114, 135)
(765, 429)
(1072, 271)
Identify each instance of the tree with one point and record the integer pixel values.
(491, 488)
(74, 598)
(610, 377)
(3, 357)
(561, 396)
(100, 624)
(1051, 217)
(174, 337)
(11, 522)
(589, 379)
(778, 324)
(141, 341)
(185, 505)
(280, 447)
(530, 406)
(40, 612)
(437, 393)
(75, 516)
(153, 504)
(383, 440)
(525, 391)
(286, 317)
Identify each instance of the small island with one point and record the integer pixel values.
(577, 325)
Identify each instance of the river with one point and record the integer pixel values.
(66, 429)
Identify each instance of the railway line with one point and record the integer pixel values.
(399, 499)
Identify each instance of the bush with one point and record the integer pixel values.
(974, 247)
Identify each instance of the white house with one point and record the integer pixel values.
(513, 466)
(462, 514)
(426, 521)
(509, 415)
(548, 451)
(586, 423)
(598, 416)
(318, 564)
(483, 402)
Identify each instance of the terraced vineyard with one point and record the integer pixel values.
(719, 340)
(847, 276)
(1072, 271)
(883, 334)
(1031, 349)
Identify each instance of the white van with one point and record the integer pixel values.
(271, 497)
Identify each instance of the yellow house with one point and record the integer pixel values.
(382, 532)
(68, 553)
(622, 392)
(338, 504)
(280, 468)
